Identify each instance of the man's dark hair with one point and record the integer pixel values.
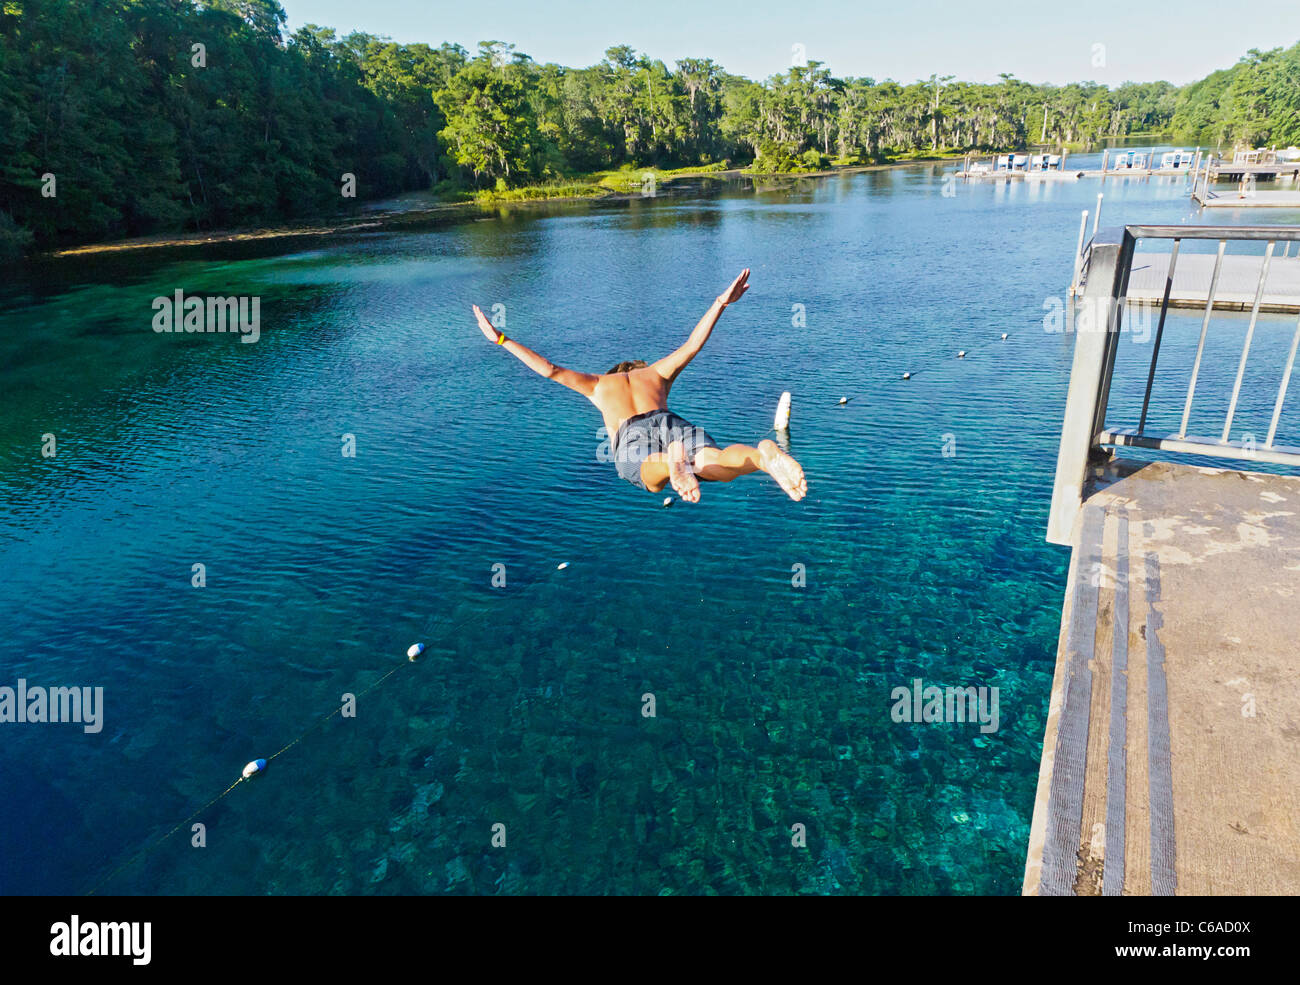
(627, 367)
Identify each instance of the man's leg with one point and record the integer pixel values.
(654, 471)
(725, 464)
(660, 468)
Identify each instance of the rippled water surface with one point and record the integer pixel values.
(772, 701)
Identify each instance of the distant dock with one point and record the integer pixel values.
(1248, 168)
(1071, 174)
(1055, 167)
(1266, 163)
(1227, 170)
(1249, 198)
(1203, 171)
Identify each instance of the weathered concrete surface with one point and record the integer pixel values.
(1180, 654)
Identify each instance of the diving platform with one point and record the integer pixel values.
(1171, 753)
(1170, 760)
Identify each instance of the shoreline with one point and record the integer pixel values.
(387, 220)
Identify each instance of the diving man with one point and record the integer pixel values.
(653, 446)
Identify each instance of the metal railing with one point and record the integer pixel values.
(1085, 430)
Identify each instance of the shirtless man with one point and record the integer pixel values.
(652, 445)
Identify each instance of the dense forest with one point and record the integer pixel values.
(134, 117)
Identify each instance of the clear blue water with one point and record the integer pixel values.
(773, 702)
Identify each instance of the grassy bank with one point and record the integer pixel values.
(633, 181)
(627, 180)
(540, 192)
(450, 201)
(624, 181)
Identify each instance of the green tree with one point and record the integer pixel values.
(489, 125)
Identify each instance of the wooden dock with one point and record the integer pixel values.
(1072, 174)
(1238, 281)
(1227, 171)
(1057, 166)
(1212, 170)
(1254, 199)
(1169, 761)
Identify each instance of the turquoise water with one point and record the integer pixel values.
(772, 701)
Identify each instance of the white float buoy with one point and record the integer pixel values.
(844, 400)
(961, 353)
(562, 565)
(782, 420)
(907, 376)
(414, 650)
(668, 501)
(1004, 336)
(253, 768)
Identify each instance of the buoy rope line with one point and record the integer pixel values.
(259, 765)
(784, 407)
(150, 847)
(928, 365)
(933, 362)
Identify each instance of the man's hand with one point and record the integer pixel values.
(738, 287)
(489, 330)
(671, 365)
(583, 383)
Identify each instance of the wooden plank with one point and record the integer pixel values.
(1237, 282)
(1265, 198)
(1065, 805)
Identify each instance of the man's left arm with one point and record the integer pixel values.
(671, 365)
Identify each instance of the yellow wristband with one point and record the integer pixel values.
(501, 338)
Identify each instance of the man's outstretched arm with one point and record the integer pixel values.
(583, 383)
(672, 364)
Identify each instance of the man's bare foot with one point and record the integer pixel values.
(784, 469)
(681, 475)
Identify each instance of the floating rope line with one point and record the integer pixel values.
(150, 847)
(259, 765)
(928, 365)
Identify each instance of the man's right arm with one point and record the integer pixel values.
(583, 383)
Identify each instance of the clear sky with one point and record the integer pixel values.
(1049, 41)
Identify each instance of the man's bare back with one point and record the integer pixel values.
(653, 446)
(619, 396)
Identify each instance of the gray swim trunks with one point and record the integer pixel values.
(645, 434)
